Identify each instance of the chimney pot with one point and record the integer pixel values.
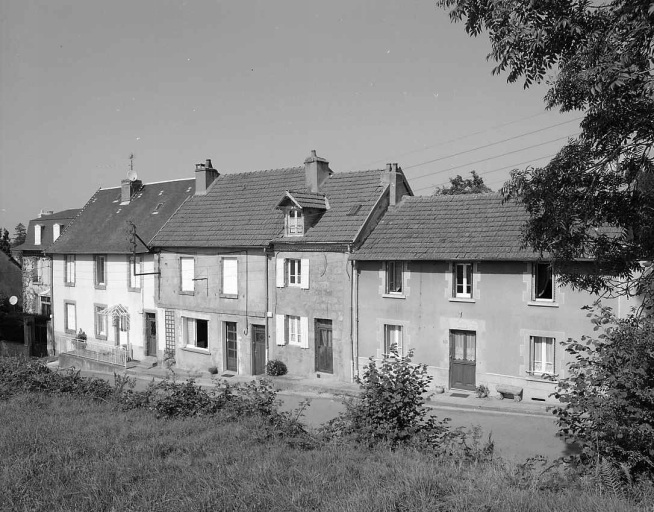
(208, 164)
(316, 172)
(205, 175)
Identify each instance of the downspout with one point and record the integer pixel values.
(265, 253)
(355, 319)
(247, 273)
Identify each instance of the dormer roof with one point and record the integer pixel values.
(304, 200)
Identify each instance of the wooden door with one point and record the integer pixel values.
(150, 334)
(258, 349)
(231, 348)
(463, 359)
(324, 349)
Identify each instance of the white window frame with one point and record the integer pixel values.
(294, 272)
(390, 277)
(56, 231)
(38, 234)
(69, 269)
(45, 300)
(283, 270)
(190, 332)
(466, 282)
(393, 333)
(229, 273)
(100, 280)
(134, 283)
(187, 275)
(70, 306)
(292, 330)
(295, 222)
(538, 360)
(100, 322)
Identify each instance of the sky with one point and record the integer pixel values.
(251, 85)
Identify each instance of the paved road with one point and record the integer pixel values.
(517, 436)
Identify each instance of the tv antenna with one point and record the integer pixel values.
(131, 175)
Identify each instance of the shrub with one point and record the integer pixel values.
(213, 370)
(275, 367)
(608, 397)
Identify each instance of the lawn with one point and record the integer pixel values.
(71, 453)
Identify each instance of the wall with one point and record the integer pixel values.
(501, 313)
(32, 290)
(328, 296)
(86, 296)
(246, 308)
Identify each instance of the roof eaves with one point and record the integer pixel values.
(370, 213)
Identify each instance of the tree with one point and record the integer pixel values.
(5, 244)
(458, 185)
(20, 235)
(595, 199)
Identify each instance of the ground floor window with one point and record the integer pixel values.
(70, 317)
(196, 332)
(392, 336)
(100, 323)
(46, 305)
(231, 346)
(541, 354)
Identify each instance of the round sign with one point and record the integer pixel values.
(13, 300)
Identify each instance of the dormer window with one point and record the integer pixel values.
(37, 234)
(295, 223)
(56, 231)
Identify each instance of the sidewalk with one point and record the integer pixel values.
(329, 388)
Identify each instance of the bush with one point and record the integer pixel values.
(608, 397)
(275, 367)
(391, 408)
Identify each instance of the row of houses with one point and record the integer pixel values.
(321, 270)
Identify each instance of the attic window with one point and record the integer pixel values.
(354, 210)
(294, 223)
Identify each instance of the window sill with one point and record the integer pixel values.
(228, 296)
(100, 286)
(70, 285)
(461, 299)
(101, 337)
(70, 331)
(182, 292)
(196, 350)
(536, 378)
(136, 290)
(543, 304)
(394, 296)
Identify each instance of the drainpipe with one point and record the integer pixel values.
(265, 253)
(355, 320)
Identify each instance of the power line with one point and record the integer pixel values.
(492, 157)
(488, 145)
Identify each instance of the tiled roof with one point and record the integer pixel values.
(457, 227)
(64, 217)
(305, 199)
(102, 225)
(239, 210)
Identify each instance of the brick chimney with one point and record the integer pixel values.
(205, 175)
(128, 188)
(316, 172)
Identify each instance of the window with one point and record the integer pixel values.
(392, 336)
(70, 317)
(187, 275)
(463, 280)
(134, 279)
(36, 271)
(196, 332)
(69, 271)
(100, 264)
(293, 272)
(230, 277)
(100, 322)
(394, 277)
(292, 330)
(46, 305)
(295, 223)
(541, 355)
(231, 346)
(543, 282)
(37, 234)
(56, 231)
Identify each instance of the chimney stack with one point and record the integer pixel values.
(390, 178)
(128, 188)
(205, 175)
(316, 172)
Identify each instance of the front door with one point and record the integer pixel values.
(258, 349)
(231, 347)
(150, 334)
(324, 352)
(463, 359)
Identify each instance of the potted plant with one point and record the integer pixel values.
(439, 390)
(482, 391)
(81, 336)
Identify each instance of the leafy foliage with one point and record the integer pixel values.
(594, 199)
(5, 243)
(20, 235)
(275, 367)
(608, 397)
(458, 185)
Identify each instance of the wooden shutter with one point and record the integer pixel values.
(280, 276)
(304, 327)
(280, 329)
(230, 276)
(304, 277)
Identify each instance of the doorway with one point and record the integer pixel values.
(150, 334)
(324, 348)
(463, 359)
(258, 349)
(231, 347)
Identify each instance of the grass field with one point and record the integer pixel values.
(65, 453)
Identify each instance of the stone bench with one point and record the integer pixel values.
(506, 389)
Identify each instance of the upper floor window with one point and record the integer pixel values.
(46, 305)
(463, 280)
(295, 222)
(230, 277)
(394, 277)
(543, 282)
(187, 275)
(293, 272)
(38, 231)
(541, 352)
(69, 270)
(134, 270)
(56, 231)
(100, 263)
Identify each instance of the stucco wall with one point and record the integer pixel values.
(86, 296)
(207, 302)
(327, 297)
(501, 313)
